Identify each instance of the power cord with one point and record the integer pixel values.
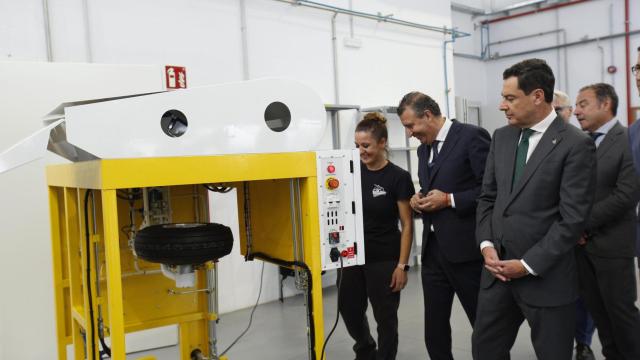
(310, 314)
(106, 349)
(335, 324)
(250, 316)
(88, 266)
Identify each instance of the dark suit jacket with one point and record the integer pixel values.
(458, 170)
(612, 224)
(634, 141)
(541, 219)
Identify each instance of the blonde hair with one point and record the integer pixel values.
(561, 98)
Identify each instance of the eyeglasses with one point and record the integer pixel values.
(635, 69)
(560, 108)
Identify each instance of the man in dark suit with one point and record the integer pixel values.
(605, 257)
(634, 140)
(451, 163)
(536, 195)
(585, 328)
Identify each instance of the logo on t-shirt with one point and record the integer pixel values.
(378, 191)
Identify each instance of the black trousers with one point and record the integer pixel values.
(608, 287)
(370, 281)
(500, 314)
(442, 279)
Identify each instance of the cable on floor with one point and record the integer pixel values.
(310, 315)
(250, 316)
(335, 324)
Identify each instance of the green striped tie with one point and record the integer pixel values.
(521, 155)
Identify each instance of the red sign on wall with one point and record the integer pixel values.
(176, 77)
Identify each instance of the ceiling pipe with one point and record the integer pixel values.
(47, 30)
(466, 9)
(377, 17)
(526, 37)
(244, 40)
(548, 48)
(517, 6)
(526, 13)
(87, 31)
(575, 43)
(480, 12)
(627, 47)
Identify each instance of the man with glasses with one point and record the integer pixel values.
(562, 106)
(634, 141)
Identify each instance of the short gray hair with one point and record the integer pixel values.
(561, 98)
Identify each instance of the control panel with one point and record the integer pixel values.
(340, 208)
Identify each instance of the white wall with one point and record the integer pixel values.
(587, 20)
(204, 36)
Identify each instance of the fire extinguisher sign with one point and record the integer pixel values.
(176, 77)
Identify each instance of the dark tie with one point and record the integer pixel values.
(434, 151)
(595, 135)
(521, 155)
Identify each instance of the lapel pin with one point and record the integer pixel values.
(554, 141)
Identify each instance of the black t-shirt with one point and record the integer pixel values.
(381, 190)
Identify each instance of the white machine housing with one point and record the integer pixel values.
(340, 208)
(232, 118)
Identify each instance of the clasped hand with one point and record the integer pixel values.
(503, 270)
(433, 201)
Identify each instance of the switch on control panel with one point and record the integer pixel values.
(332, 183)
(334, 237)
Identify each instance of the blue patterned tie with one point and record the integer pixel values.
(434, 150)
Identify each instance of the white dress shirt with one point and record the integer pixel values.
(539, 130)
(604, 130)
(440, 138)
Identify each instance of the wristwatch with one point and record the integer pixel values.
(404, 267)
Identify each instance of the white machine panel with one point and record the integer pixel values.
(257, 116)
(340, 208)
(220, 119)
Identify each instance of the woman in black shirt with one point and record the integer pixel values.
(386, 190)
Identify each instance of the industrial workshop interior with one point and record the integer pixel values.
(319, 180)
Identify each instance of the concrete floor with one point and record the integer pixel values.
(278, 331)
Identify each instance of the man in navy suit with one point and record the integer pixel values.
(451, 160)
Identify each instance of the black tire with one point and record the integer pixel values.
(183, 244)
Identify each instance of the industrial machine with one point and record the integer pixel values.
(133, 246)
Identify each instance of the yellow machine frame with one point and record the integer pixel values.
(133, 298)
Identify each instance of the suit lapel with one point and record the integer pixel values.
(609, 139)
(449, 143)
(547, 143)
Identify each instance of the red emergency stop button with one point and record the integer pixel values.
(331, 169)
(344, 253)
(332, 183)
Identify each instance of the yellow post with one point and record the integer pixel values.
(114, 273)
(311, 231)
(58, 280)
(73, 224)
